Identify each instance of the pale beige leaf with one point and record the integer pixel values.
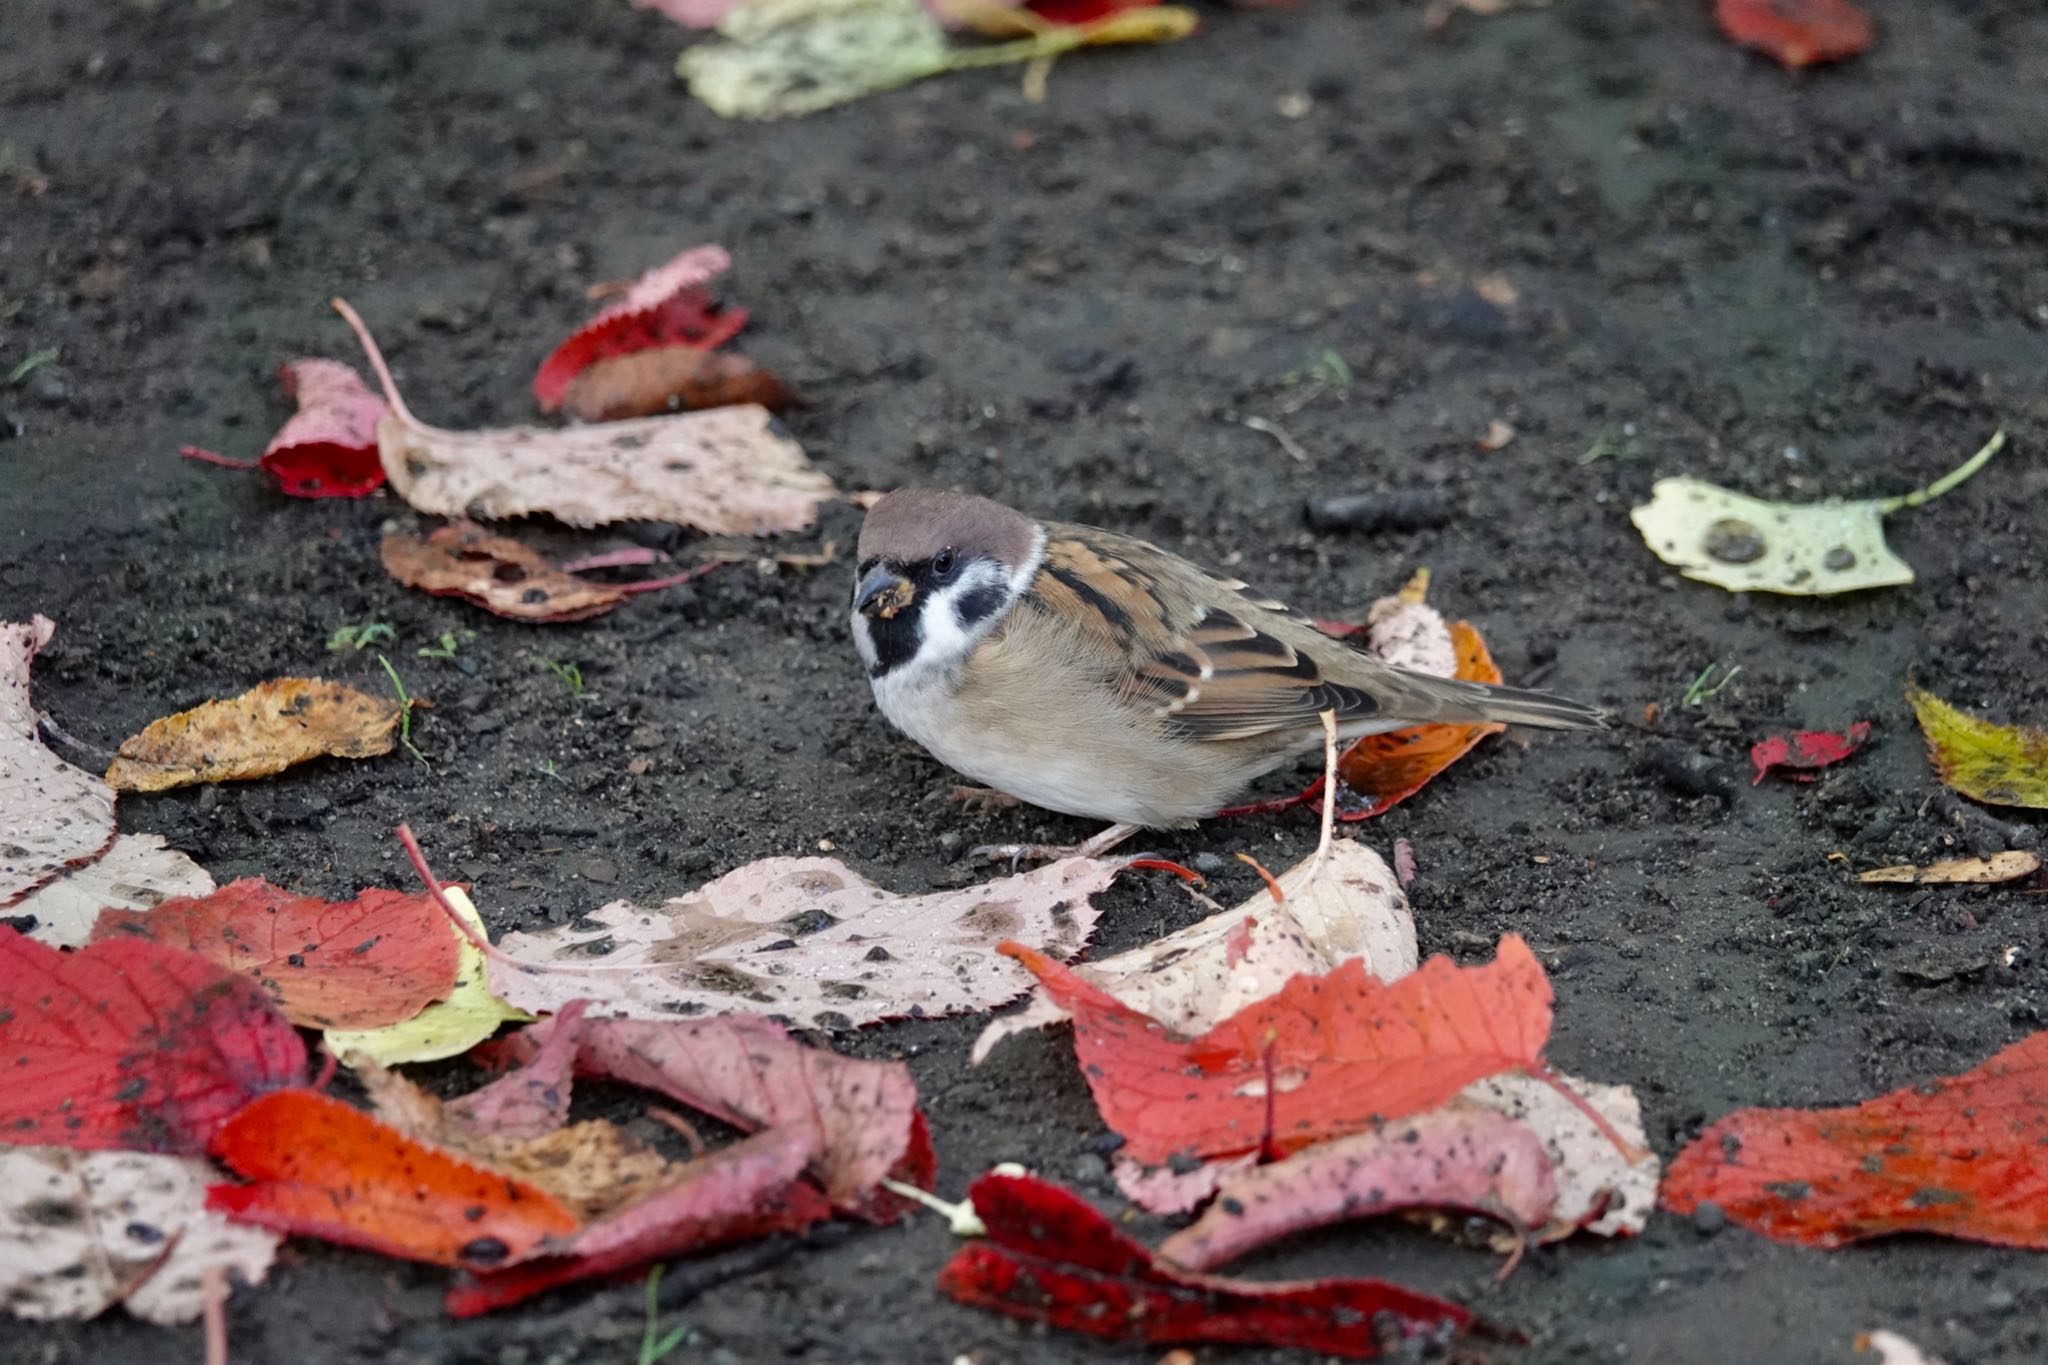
(810, 939)
(1338, 906)
(135, 873)
(1999, 867)
(729, 471)
(1411, 634)
(82, 1231)
(52, 815)
(1592, 1174)
(267, 729)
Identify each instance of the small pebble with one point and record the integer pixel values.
(1209, 864)
(1708, 1218)
(598, 870)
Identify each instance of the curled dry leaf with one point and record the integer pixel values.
(329, 447)
(1999, 867)
(498, 574)
(809, 939)
(136, 872)
(132, 1044)
(83, 1231)
(667, 306)
(729, 471)
(2001, 765)
(265, 730)
(1797, 753)
(1472, 1160)
(364, 963)
(1796, 32)
(671, 379)
(1959, 1156)
(53, 816)
(1049, 1257)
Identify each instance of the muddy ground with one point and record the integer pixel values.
(1646, 250)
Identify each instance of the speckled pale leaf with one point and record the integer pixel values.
(1409, 633)
(728, 471)
(784, 57)
(52, 815)
(446, 1028)
(265, 730)
(136, 873)
(1348, 904)
(1745, 544)
(2001, 765)
(82, 1231)
(1999, 867)
(810, 939)
(1590, 1168)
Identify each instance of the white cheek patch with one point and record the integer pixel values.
(947, 633)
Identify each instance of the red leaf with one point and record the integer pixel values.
(1082, 11)
(1346, 1049)
(1796, 32)
(1960, 1157)
(329, 447)
(663, 308)
(323, 1169)
(1052, 1258)
(737, 1193)
(744, 1070)
(132, 1045)
(671, 379)
(1806, 749)
(359, 964)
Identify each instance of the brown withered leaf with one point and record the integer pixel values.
(496, 573)
(671, 379)
(265, 730)
(1999, 867)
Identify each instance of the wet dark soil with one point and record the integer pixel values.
(1645, 250)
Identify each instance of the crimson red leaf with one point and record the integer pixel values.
(1796, 32)
(329, 447)
(376, 960)
(1959, 1157)
(1081, 11)
(132, 1045)
(1345, 1049)
(663, 308)
(1050, 1257)
(1806, 749)
(737, 1193)
(323, 1169)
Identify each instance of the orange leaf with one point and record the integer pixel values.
(1345, 1050)
(1379, 772)
(1796, 32)
(1960, 1157)
(326, 1170)
(265, 730)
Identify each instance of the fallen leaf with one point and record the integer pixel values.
(53, 816)
(2001, 765)
(1746, 544)
(1796, 32)
(378, 959)
(1336, 906)
(1471, 1160)
(667, 306)
(329, 447)
(1379, 772)
(1403, 630)
(1958, 1156)
(1999, 867)
(1051, 1258)
(1599, 1189)
(737, 1193)
(1805, 749)
(498, 574)
(320, 1168)
(83, 1231)
(132, 1045)
(447, 1028)
(1893, 1349)
(671, 379)
(808, 939)
(860, 1116)
(265, 730)
(1345, 1050)
(136, 872)
(728, 471)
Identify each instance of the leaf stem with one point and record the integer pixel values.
(1947, 482)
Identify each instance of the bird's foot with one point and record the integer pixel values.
(1095, 847)
(981, 798)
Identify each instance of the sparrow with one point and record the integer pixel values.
(1098, 675)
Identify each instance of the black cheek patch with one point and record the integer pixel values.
(895, 639)
(978, 604)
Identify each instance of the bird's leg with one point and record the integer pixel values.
(981, 798)
(1088, 848)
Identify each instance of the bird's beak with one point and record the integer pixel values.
(883, 593)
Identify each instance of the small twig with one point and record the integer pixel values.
(213, 1282)
(1278, 433)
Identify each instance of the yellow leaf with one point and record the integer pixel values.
(2003, 765)
(265, 730)
(448, 1028)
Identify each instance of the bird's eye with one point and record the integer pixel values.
(942, 564)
